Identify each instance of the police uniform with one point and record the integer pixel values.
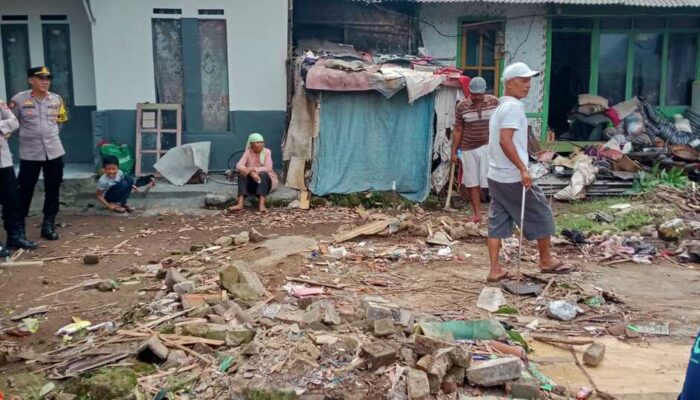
(40, 148)
(9, 190)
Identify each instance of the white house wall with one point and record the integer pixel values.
(257, 50)
(525, 30)
(81, 43)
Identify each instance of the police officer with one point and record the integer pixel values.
(41, 115)
(9, 191)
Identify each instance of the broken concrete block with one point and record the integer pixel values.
(189, 300)
(594, 354)
(184, 287)
(241, 282)
(417, 384)
(242, 238)
(424, 345)
(377, 311)
(407, 356)
(460, 357)
(458, 373)
(378, 354)
(251, 349)
(91, 259)
(239, 334)
(424, 363)
(217, 332)
(494, 372)
(524, 390)
(200, 312)
(617, 329)
(325, 311)
(309, 348)
(384, 327)
(176, 358)
(436, 373)
(256, 236)
(173, 277)
(198, 330)
(212, 200)
(152, 350)
(224, 241)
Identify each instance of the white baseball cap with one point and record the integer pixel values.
(518, 70)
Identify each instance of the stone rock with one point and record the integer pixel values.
(617, 329)
(305, 302)
(494, 372)
(173, 277)
(325, 339)
(224, 241)
(241, 282)
(326, 312)
(594, 354)
(694, 228)
(377, 308)
(463, 231)
(458, 373)
(216, 319)
(673, 230)
(417, 384)
(460, 357)
(407, 357)
(239, 335)
(449, 385)
(436, 373)
(384, 327)
(562, 310)
(266, 323)
(365, 325)
(424, 345)
(378, 354)
(309, 348)
(184, 287)
(200, 312)
(107, 285)
(212, 200)
(91, 259)
(198, 330)
(524, 390)
(217, 332)
(242, 238)
(256, 236)
(647, 230)
(294, 204)
(424, 363)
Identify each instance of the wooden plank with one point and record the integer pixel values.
(305, 200)
(16, 264)
(371, 228)
(315, 283)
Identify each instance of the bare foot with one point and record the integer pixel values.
(500, 275)
(263, 209)
(476, 219)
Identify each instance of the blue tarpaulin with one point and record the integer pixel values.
(369, 143)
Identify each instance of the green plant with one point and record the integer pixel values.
(648, 181)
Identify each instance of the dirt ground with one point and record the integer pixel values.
(446, 288)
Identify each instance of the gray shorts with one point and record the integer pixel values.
(505, 211)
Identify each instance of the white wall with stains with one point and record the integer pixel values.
(525, 36)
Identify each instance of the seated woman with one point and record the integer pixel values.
(255, 174)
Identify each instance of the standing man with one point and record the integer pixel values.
(471, 135)
(508, 175)
(41, 115)
(9, 191)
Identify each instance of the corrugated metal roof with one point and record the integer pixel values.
(632, 3)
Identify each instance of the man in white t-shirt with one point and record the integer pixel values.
(508, 162)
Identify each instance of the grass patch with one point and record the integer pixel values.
(587, 207)
(632, 220)
(577, 216)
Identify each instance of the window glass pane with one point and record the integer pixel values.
(572, 23)
(616, 23)
(471, 72)
(612, 66)
(15, 52)
(214, 65)
(682, 49)
(489, 77)
(489, 44)
(647, 67)
(684, 22)
(167, 58)
(472, 47)
(649, 23)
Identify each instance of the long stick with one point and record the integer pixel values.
(520, 242)
(448, 206)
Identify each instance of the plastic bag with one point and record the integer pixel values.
(123, 154)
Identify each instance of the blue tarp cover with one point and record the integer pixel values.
(368, 142)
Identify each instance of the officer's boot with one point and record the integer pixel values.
(48, 228)
(16, 239)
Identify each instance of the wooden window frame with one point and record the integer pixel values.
(467, 24)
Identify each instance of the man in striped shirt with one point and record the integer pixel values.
(471, 135)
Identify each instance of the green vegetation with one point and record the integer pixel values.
(581, 216)
(648, 181)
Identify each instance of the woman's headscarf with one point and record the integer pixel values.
(256, 138)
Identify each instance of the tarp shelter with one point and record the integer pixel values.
(180, 163)
(370, 143)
